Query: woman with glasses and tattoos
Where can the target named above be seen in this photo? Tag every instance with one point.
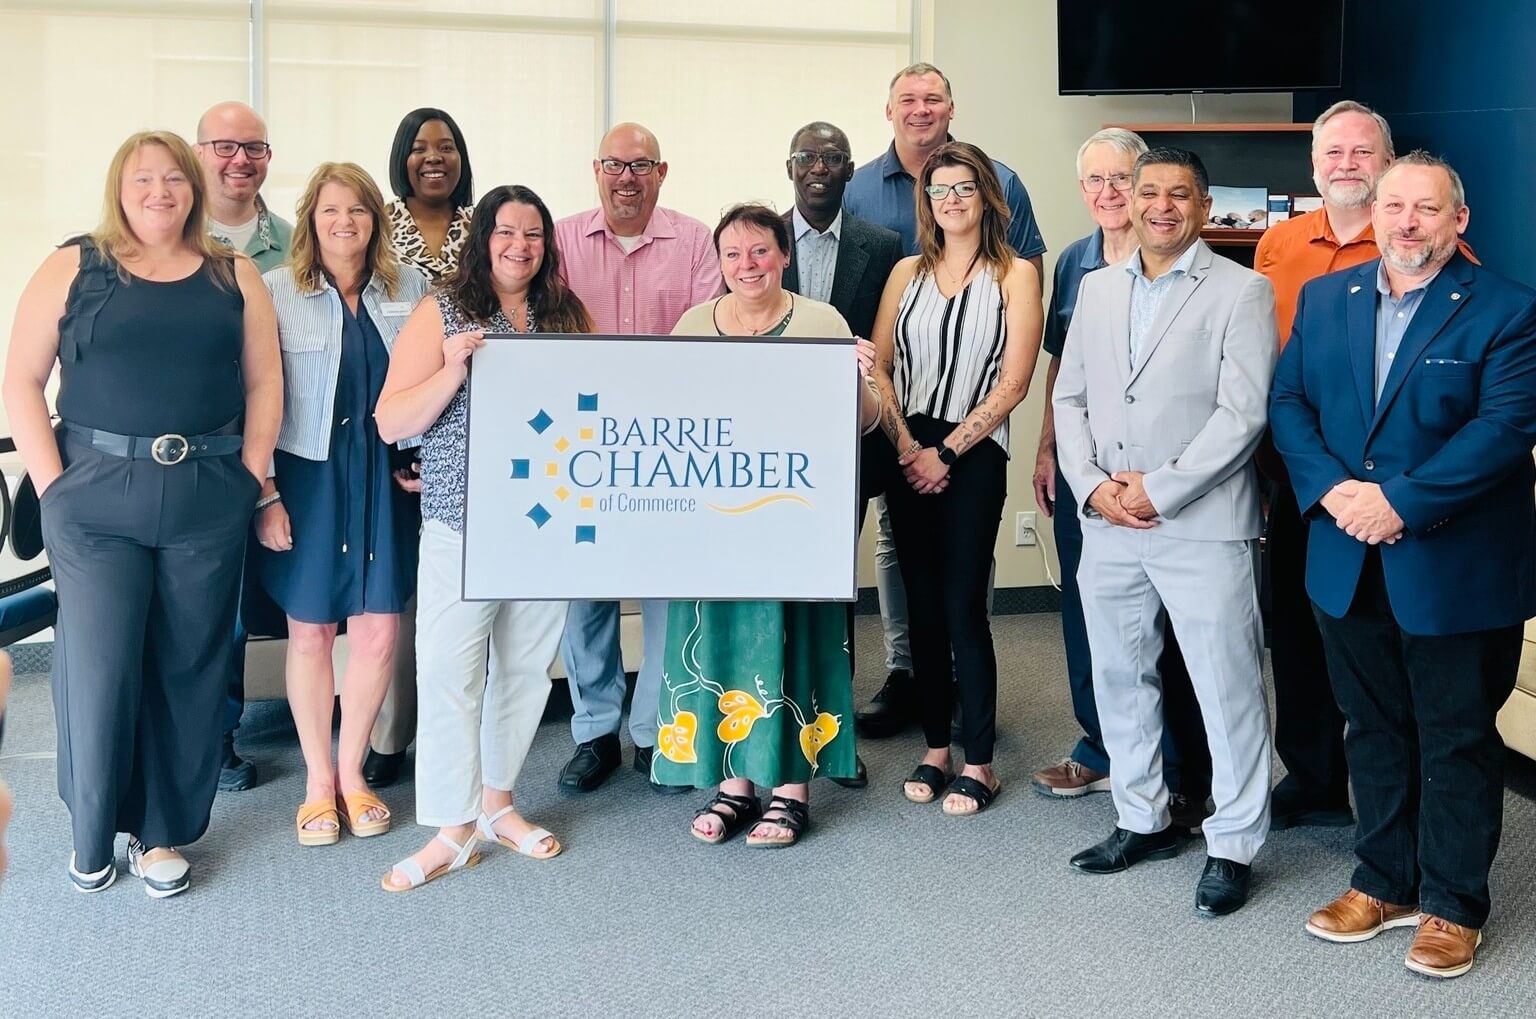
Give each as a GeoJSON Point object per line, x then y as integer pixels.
{"type": "Point", "coordinates": [957, 336]}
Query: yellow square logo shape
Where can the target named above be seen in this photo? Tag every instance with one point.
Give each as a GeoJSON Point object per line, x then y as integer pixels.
{"type": "Point", "coordinates": [586, 502]}
{"type": "Point", "coordinates": [551, 470]}
{"type": "Point", "coordinates": [585, 434]}
{"type": "Point", "coordinates": [562, 444]}
{"type": "Point", "coordinates": [562, 493]}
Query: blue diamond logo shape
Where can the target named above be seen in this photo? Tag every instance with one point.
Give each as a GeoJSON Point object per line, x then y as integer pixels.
{"type": "Point", "coordinates": [540, 421]}
{"type": "Point", "coordinates": [586, 534]}
{"type": "Point", "coordinates": [519, 470]}
{"type": "Point", "coordinates": [586, 401]}
{"type": "Point", "coordinates": [539, 515]}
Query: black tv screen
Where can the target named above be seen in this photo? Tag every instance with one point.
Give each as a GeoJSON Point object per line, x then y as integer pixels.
{"type": "Point", "coordinates": [1107, 46]}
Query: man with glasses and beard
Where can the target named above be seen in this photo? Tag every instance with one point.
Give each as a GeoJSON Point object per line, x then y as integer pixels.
{"type": "Point", "coordinates": [637, 267]}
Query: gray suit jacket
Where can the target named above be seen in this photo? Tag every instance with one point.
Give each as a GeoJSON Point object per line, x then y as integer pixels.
{"type": "Point", "coordinates": [1189, 414]}
{"type": "Point", "coordinates": [866, 254]}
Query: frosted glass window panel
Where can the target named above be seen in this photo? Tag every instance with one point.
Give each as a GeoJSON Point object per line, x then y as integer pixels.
{"type": "Point", "coordinates": [797, 16]}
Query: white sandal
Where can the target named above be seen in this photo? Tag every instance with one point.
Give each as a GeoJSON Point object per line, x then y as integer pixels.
{"type": "Point", "coordinates": [464, 857]}
{"type": "Point", "coordinates": [525, 846]}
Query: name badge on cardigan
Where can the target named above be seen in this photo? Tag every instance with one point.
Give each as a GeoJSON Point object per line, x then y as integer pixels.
{"type": "Point", "coordinates": [394, 309]}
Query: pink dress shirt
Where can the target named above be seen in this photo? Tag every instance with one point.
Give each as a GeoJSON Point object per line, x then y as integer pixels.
{"type": "Point", "coordinates": [646, 291]}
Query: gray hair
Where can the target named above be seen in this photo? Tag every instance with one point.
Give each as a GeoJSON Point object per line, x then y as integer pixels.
{"type": "Point", "coordinates": [1119, 138]}
{"type": "Point", "coordinates": [1350, 106]}
{"type": "Point", "coordinates": [1419, 157]}
{"type": "Point", "coordinates": [917, 70]}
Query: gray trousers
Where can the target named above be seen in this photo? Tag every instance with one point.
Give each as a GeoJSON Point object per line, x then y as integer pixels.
{"type": "Point", "coordinates": [146, 564]}
{"type": "Point", "coordinates": [1128, 579]}
{"type": "Point", "coordinates": [593, 661]}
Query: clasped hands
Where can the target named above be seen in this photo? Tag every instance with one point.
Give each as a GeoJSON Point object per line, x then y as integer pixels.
{"type": "Point", "coordinates": [1123, 501]}
{"type": "Point", "coordinates": [1360, 510]}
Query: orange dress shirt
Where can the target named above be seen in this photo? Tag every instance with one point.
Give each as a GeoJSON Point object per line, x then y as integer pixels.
{"type": "Point", "coordinates": [1298, 250]}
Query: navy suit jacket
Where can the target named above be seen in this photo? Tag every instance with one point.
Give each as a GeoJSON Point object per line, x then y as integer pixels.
{"type": "Point", "coordinates": [1449, 442]}
{"type": "Point", "coordinates": [866, 254]}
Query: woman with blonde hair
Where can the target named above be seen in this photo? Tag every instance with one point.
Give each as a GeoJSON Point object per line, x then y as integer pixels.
{"type": "Point", "coordinates": [957, 336]}
{"type": "Point", "coordinates": [170, 395]}
{"type": "Point", "coordinates": [336, 526]}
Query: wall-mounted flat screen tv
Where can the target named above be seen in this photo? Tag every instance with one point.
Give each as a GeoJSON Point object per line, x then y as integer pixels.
{"type": "Point", "coordinates": [1125, 46]}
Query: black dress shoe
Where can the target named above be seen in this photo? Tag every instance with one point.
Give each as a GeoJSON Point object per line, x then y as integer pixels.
{"type": "Point", "coordinates": [1125, 849]}
{"type": "Point", "coordinates": [643, 766]}
{"type": "Point", "coordinates": [889, 711]}
{"type": "Point", "coordinates": [380, 770]}
{"type": "Point", "coordinates": [1292, 808]}
{"type": "Point", "coordinates": [595, 760]}
{"type": "Point", "coordinates": [235, 773]}
{"type": "Point", "coordinates": [1186, 815]}
{"type": "Point", "coordinates": [1223, 887]}
{"type": "Point", "coordinates": [860, 777]}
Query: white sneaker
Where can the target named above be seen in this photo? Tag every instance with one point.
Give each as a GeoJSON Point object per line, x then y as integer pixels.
{"type": "Point", "coordinates": [96, 882]}
{"type": "Point", "coordinates": [164, 877]}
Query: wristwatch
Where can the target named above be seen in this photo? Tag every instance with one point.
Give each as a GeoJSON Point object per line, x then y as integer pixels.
{"type": "Point", "coordinates": [947, 456]}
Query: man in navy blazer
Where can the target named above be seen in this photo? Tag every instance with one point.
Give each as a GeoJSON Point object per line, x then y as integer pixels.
{"type": "Point", "coordinates": [1405, 408]}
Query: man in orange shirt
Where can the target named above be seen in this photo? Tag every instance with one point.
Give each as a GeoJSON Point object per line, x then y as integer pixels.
{"type": "Point", "coordinates": [1351, 148]}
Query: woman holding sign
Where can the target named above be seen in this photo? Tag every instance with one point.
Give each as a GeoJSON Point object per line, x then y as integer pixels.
{"type": "Point", "coordinates": [958, 331]}
{"type": "Point", "coordinates": [473, 728]}
{"type": "Point", "coordinates": [758, 693]}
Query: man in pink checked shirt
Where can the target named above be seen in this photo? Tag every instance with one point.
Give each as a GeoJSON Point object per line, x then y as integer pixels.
{"type": "Point", "coordinates": [637, 268]}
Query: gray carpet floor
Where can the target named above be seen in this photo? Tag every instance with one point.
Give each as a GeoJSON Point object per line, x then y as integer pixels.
{"type": "Point", "coordinates": [886, 909]}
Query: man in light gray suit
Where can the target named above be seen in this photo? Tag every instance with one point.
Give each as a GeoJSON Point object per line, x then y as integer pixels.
{"type": "Point", "coordinates": [1159, 403]}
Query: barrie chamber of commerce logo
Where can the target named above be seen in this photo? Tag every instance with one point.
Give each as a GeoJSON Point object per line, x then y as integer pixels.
{"type": "Point", "coordinates": [596, 464]}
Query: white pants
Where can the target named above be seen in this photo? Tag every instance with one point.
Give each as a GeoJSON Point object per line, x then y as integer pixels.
{"type": "Point", "coordinates": [473, 728]}
{"type": "Point", "coordinates": [1127, 579]}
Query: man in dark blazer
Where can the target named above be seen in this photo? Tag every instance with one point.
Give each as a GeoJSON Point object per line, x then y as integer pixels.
{"type": "Point", "coordinates": [1405, 408]}
{"type": "Point", "coordinates": [843, 260]}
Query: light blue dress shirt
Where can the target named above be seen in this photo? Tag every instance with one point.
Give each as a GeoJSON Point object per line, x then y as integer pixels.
{"type": "Point", "coordinates": [816, 256]}
{"type": "Point", "coordinates": [1393, 316]}
{"type": "Point", "coordinates": [1147, 295]}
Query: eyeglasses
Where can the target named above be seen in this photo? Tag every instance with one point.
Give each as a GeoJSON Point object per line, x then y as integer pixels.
{"type": "Point", "coordinates": [224, 148]}
{"type": "Point", "coordinates": [833, 159]}
{"type": "Point", "coordinates": [639, 167]}
{"type": "Point", "coordinates": [1119, 181]}
{"type": "Point", "coordinates": [962, 189]}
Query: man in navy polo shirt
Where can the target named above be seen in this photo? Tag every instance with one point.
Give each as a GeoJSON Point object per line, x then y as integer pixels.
{"type": "Point", "coordinates": [920, 106]}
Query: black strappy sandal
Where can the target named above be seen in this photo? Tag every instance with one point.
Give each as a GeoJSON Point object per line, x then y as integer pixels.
{"type": "Point", "coordinates": [980, 792]}
{"type": "Point", "coordinates": [744, 810]}
{"type": "Point", "coordinates": [796, 818]}
{"type": "Point", "coordinates": [927, 775]}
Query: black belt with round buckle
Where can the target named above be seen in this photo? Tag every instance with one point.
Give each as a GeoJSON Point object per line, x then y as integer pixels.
{"type": "Point", "coordinates": [168, 450]}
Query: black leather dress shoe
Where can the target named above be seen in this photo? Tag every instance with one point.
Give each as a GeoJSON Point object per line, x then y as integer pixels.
{"type": "Point", "coordinates": [643, 766]}
{"type": "Point", "coordinates": [860, 777]}
{"type": "Point", "coordinates": [1186, 816]}
{"type": "Point", "coordinates": [1125, 849]}
{"type": "Point", "coordinates": [1223, 887]}
{"type": "Point", "coordinates": [889, 711]}
{"type": "Point", "coordinates": [235, 774]}
{"type": "Point", "coordinates": [380, 770]}
{"type": "Point", "coordinates": [595, 760]}
{"type": "Point", "coordinates": [1290, 808]}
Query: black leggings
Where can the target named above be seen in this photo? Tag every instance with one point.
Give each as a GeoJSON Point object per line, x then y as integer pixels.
{"type": "Point", "coordinates": [944, 544]}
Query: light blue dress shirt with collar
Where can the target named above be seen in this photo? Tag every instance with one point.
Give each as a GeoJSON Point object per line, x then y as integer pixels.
{"type": "Point", "coordinates": [1147, 295]}
{"type": "Point", "coordinates": [816, 255]}
{"type": "Point", "coordinates": [1393, 316]}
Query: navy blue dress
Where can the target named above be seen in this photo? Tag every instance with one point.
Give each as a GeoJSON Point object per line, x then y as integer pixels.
{"type": "Point", "coordinates": [355, 532]}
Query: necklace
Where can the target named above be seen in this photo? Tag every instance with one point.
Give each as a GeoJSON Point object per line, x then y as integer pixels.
{"type": "Point", "coordinates": [777, 317]}
{"type": "Point", "coordinates": [954, 281]}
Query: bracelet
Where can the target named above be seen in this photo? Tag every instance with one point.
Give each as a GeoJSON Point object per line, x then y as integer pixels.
{"type": "Point", "coordinates": [268, 500]}
{"type": "Point", "coordinates": [913, 448]}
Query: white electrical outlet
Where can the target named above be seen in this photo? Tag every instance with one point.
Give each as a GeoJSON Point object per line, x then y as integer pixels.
{"type": "Point", "coordinates": [1024, 530]}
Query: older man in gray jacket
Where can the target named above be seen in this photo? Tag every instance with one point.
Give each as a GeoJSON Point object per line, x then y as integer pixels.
{"type": "Point", "coordinates": [1159, 404]}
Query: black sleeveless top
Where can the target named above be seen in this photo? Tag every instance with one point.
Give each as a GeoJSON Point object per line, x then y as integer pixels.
{"type": "Point", "coordinates": [155, 357]}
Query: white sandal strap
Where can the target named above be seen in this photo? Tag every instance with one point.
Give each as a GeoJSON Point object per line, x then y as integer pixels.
{"type": "Point", "coordinates": [412, 871]}
{"type": "Point", "coordinates": [528, 843]}
{"type": "Point", "coordinates": [461, 853]}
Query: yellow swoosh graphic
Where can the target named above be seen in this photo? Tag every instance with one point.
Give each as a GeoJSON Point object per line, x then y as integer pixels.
{"type": "Point", "coordinates": [760, 503]}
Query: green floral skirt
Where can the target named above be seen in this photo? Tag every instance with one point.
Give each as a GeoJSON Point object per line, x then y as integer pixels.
{"type": "Point", "coordinates": [755, 690]}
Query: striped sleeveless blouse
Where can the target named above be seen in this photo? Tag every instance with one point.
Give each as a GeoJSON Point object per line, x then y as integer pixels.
{"type": "Point", "coordinates": [949, 351]}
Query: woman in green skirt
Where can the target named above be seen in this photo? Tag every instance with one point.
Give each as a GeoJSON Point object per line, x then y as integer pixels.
{"type": "Point", "coordinates": [758, 693]}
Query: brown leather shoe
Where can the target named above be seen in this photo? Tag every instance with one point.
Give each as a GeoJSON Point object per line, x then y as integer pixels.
{"type": "Point", "coordinates": [1069, 779]}
{"type": "Point", "coordinates": [1441, 948]}
{"type": "Point", "coordinates": [1356, 916]}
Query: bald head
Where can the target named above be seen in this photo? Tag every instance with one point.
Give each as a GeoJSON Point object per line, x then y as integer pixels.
{"type": "Point", "coordinates": [231, 120]}
{"type": "Point", "coordinates": [233, 181]}
{"type": "Point", "coordinates": [628, 192]}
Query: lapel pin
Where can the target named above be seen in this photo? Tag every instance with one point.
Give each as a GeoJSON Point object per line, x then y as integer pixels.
{"type": "Point", "coordinates": [1355, 289]}
{"type": "Point", "coordinates": [1455, 295]}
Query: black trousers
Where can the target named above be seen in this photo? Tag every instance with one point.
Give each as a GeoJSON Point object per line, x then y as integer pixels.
{"type": "Point", "coordinates": [146, 563]}
{"type": "Point", "coordinates": [1426, 759]}
{"type": "Point", "coordinates": [1309, 727]}
{"type": "Point", "coordinates": [944, 544]}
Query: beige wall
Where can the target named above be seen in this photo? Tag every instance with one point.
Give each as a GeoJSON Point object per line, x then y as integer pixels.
{"type": "Point", "coordinates": [1000, 56]}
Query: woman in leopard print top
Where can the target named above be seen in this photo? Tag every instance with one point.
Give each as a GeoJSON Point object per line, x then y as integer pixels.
{"type": "Point", "coordinates": [429, 172]}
